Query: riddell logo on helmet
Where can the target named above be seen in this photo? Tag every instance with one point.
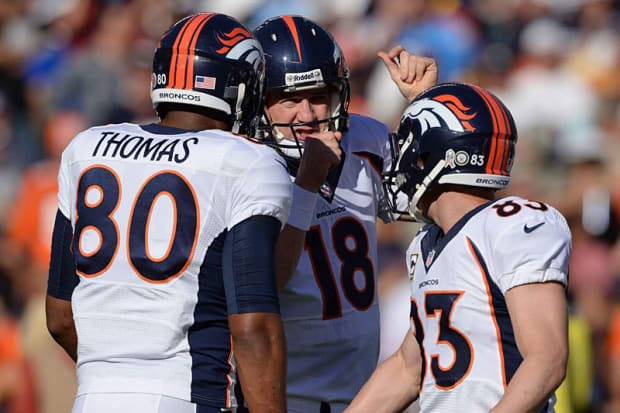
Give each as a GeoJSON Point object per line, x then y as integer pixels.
{"type": "Point", "coordinates": [492, 181]}
{"type": "Point", "coordinates": [303, 77]}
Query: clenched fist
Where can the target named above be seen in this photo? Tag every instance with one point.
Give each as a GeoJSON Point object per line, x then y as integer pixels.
{"type": "Point", "coordinates": [321, 153]}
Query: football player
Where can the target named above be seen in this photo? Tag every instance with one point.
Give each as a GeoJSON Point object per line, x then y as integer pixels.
{"type": "Point", "coordinates": [488, 276]}
{"type": "Point", "coordinates": [162, 283]}
{"type": "Point", "coordinates": [326, 259]}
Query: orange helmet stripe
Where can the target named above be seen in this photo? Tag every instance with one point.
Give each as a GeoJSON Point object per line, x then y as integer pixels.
{"type": "Point", "coordinates": [175, 52]}
{"type": "Point", "coordinates": [506, 139]}
{"type": "Point", "coordinates": [190, 67]}
{"type": "Point", "coordinates": [494, 138]}
{"type": "Point", "coordinates": [501, 131]}
{"type": "Point", "coordinates": [291, 26]}
{"type": "Point", "coordinates": [500, 161]}
{"type": "Point", "coordinates": [180, 76]}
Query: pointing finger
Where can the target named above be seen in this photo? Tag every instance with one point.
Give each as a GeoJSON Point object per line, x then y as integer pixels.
{"type": "Point", "coordinates": [389, 63]}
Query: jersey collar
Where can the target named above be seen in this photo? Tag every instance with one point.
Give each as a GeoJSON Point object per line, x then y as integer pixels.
{"type": "Point", "coordinates": [435, 241]}
{"type": "Point", "coordinates": [158, 129]}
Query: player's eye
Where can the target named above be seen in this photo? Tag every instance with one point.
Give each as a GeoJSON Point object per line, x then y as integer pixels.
{"type": "Point", "coordinates": [319, 100]}
{"type": "Point", "coordinates": [289, 102]}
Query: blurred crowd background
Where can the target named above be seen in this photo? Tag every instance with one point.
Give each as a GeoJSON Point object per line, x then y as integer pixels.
{"type": "Point", "coordinates": [68, 64]}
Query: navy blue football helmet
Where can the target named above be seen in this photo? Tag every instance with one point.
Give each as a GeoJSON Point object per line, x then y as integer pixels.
{"type": "Point", "coordinates": [301, 55]}
{"type": "Point", "coordinates": [461, 133]}
{"type": "Point", "coordinates": [212, 61]}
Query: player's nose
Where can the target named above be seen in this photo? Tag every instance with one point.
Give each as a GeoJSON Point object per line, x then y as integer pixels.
{"type": "Point", "coordinates": [305, 112]}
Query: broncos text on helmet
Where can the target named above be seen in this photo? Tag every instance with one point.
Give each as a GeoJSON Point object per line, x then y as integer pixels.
{"type": "Point", "coordinates": [210, 60]}
{"type": "Point", "coordinates": [461, 133]}
{"type": "Point", "coordinates": [301, 55]}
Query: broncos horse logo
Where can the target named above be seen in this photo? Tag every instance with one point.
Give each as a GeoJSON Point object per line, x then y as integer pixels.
{"type": "Point", "coordinates": [446, 110]}
{"type": "Point", "coordinates": [443, 110]}
{"type": "Point", "coordinates": [239, 44]}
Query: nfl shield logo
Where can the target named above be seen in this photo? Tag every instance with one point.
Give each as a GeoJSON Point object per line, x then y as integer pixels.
{"type": "Point", "coordinates": [430, 257]}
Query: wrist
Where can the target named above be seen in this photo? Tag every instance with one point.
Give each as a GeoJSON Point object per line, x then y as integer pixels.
{"type": "Point", "coordinates": [309, 184]}
{"type": "Point", "coordinates": [302, 207]}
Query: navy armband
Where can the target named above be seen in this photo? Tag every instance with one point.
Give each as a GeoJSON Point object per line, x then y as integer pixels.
{"type": "Point", "coordinates": [62, 277]}
{"type": "Point", "coordinates": [248, 266]}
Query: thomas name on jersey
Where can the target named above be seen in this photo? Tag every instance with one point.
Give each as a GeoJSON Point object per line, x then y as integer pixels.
{"type": "Point", "coordinates": [138, 147]}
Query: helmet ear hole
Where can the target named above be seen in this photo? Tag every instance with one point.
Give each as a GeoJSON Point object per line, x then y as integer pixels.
{"type": "Point", "coordinates": [423, 159]}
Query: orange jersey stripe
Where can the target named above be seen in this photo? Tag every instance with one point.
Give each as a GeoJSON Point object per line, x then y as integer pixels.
{"type": "Point", "coordinates": [190, 67]}
{"type": "Point", "coordinates": [232, 369]}
{"type": "Point", "coordinates": [291, 26]}
{"type": "Point", "coordinates": [486, 284]}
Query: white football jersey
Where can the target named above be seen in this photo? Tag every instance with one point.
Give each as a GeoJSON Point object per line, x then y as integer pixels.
{"type": "Point", "coordinates": [458, 309]}
{"type": "Point", "coordinates": [150, 207]}
{"type": "Point", "coordinates": [329, 307]}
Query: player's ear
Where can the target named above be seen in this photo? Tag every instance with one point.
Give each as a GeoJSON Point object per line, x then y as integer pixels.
{"type": "Point", "coordinates": [420, 161]}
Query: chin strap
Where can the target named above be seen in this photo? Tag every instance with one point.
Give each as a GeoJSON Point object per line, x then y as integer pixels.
{"type": "Point", "coordinates": [421, 189]}
{"type": "Point", "coordinates": [238, 112]}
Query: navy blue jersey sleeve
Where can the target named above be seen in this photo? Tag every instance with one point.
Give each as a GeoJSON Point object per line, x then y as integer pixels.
{"type": "Point", "coordinates": [249, 267]}
{"type": "Point", "coordinates": [62, 276]}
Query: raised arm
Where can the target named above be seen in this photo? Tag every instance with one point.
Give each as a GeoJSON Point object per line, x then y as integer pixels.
{"type": "Point", "coordinates": [395, 384]}
{"type": "Point", "coordinates": [540, 320]}
{"type": "Point", "coordinates": [412, 74]}
{"type": "Point", "coordinates": [321, 153]}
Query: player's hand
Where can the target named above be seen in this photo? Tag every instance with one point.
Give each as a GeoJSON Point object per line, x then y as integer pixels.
{"type": "Point", "coordinates": [412, 74]}
{"type": "Point", "coordinates": [322, 152]}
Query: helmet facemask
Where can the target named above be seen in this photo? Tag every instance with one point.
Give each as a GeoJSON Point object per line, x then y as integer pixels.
{"type": "Point", "coordinates": [406, 182]}
{"type": "Point", "coordinates": [292, 147]}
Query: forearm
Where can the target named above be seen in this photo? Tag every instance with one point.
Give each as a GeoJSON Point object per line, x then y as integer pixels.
{"type": "Point", "coordinates": [68, 341]}
{"type": "Point", "coordinates": [60, 324]}
{"type": "Point", "coordinates": [533, 384]}
{"type": "Point", "coordinates": [292, 238]}
{"type": "Point", "coordinates": [260, 353]}
{"type": "Point", "coordinates": [288, 251]}
{"type": "Point", "coordinates": [542, 339]}
{"type": "Point", "coordinates": [391, 388]}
